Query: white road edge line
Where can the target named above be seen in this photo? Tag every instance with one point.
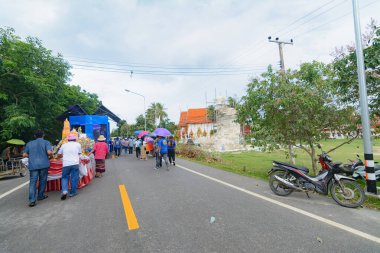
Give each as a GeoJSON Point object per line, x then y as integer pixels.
{"type": "Point", "coordinates": [14, 189]}
{"type": "Point", "coordinates": [295, 209]}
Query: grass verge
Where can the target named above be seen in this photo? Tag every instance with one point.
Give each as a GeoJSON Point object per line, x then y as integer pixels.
{"type": "Point", "coordinates": [256, 164]}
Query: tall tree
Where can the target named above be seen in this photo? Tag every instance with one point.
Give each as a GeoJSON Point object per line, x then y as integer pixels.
{"type": "Point", "coordinates": [295, 111]}
{"type": "Point", "coordinates": [345, 69]}
{"type": "Point", "coordinates": [33, 89]}
{"type": "Point", "coordinates": [156, 113]}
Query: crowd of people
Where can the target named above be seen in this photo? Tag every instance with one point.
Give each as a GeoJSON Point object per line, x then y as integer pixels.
{"type": "Point", "coordinates": [39, 151]}
{"type": "Point", "coordinates": [160, 148]}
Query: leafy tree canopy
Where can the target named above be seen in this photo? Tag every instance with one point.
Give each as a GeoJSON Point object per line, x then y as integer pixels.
{"type": "Point", "coordinates": [34, 89]}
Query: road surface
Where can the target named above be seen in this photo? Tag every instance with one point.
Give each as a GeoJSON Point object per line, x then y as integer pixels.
{"type": "Point", "coordinates": [190, 208]}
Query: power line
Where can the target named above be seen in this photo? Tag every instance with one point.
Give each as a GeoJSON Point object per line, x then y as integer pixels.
{"type": "Point", "coordinates": [314, 17]}
{"type": "Point", "coordinates": [170, 73]}
{"type": "Point", "coordinates": [335, 19]}
{"type": "Point", "coordinates": [132, 65]}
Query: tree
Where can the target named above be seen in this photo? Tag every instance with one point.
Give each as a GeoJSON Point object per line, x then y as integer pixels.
{"type": "Point", "coordinates": [345, 70]}
{"type": "Point", "coordinates": [33, 89]}
{"type": "Point", "coordinates": [294, 111]}
{"type": "Point", "coordinates": [232, 102]}
{"type": "Point", "coordinates": [122, 129]}
{"type": "Point", "coordinates": [211, 113]}
{"type": "Point", "coordinates": [156, 112]}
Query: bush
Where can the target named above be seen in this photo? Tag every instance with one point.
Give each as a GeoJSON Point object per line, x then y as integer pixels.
{"type": "Point", "coordinates": [195, 152]}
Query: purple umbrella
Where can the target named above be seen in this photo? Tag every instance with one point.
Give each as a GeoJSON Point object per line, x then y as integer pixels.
{"type": "Point", "coordinates": [162, 132]}
{"type": "Point", "coordinates": [149, 139]}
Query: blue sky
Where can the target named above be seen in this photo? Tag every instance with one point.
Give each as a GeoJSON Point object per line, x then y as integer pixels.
{"type": "Point", "coordinates": [180, 36]}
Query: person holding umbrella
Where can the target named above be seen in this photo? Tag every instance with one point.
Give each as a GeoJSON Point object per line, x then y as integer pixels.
{"type": "Point", "coordinates": [163, 151]}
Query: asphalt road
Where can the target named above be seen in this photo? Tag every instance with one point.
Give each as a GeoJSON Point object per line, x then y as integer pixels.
{"type": "Point", "coordinates": [174, 209]}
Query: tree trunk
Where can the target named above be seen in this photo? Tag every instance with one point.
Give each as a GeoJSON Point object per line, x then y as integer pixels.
{"type": "Point", "coordinates": [313, 160]}
{"type": "Point", "coordinates": [291, 154]}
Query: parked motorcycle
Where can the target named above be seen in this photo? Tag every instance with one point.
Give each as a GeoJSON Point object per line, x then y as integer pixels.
{"type": "Point", "coordinates": [349, 169]}
{"type": "Point", "coordinates": [357, 169]}
{"type": "Point", "coordinates": [360, 172]}
{"type": "Point", "coordinates": [286, 178]}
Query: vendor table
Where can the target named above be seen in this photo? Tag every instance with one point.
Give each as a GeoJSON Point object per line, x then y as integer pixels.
{"type": "Point", "coordinates": [55, 174]}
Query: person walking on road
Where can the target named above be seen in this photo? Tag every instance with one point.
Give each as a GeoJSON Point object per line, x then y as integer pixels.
{"type": "Point", "coordinates": [130, 145]}
{"type": "Point", "coordinates": [100, 150]}
{"type": "Point", "coordinates": [157, 154]}
{"type": "Point", "coordinates": [163, 151]}
{"type": "Point", "coordinates": [38, 151]}
{"type": "Point", "coordinates": [70, 153]}
{"type": "Point", "coordinates": [143, 150]}
{"type": "Point", "coordinates": [171, 150]}
{"type": "Point", "coordinates": [111, 145]}
{"type": "Point", "coordinates": [124, 145]}
{"type": "Point", "coordinates": [138, 148]}
{"type": "Point", "coordinates": [117, 147]}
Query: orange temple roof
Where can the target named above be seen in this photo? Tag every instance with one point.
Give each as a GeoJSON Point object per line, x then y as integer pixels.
{"type": "Point", "coordinates": [194, 116]}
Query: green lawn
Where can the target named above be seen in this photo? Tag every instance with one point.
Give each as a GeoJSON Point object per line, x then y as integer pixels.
{"type": "Point", "coordinates": [257, 164]}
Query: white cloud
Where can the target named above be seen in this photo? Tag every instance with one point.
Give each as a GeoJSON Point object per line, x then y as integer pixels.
{"type": "Point", "coordinates": [180, 33]}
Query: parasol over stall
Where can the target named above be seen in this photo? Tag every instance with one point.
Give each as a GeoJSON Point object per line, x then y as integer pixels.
{"type": "Point", "coordinates": [16, 142]}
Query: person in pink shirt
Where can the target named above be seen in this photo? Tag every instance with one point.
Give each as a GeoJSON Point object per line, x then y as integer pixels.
{"type": "Point", "coordinates": [100, 151]}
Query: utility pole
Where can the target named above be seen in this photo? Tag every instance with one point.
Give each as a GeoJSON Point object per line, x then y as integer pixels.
{"type": "Point", "coordinates": [280, 45]}
{"type": "Point", "coordinates": [282, 71]}
{"type": "Point", "coordinates": [366, 125]}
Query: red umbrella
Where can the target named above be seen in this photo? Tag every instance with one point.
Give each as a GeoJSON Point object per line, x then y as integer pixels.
{"type": "Point", "coordinates": [142, 134]}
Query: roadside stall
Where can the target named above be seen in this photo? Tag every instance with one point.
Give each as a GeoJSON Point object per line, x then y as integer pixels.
{"type": "Point", "coordinates": [87, 128]}
{"type": "Point", "coordinates": [86, 166]}
{"type": "Point", "coordinates": [11, 162]}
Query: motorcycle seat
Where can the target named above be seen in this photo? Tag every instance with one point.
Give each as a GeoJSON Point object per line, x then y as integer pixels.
{"type": "Point", "coordinates": [301, 168]}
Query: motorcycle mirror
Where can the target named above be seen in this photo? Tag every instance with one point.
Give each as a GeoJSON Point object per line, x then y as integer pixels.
{"type": "Point", "coordinates": [319, 146]}
{"type": "Point", "coordinates": [357, 156]}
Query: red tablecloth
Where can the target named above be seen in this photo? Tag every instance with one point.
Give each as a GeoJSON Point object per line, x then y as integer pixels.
{"type": "Point", "coordinates": [55, 175]}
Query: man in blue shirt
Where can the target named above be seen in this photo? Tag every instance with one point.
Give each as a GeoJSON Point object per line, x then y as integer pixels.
{"type": "Point", "coordinates": [163, 150]}
{"type": "Point", "coordinates": [38, 152]}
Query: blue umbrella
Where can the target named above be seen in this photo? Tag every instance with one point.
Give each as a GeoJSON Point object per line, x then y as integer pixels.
{"type": "Point", "coordinates": [162, 132]}
{"type": "Point", "coordinates": [137, 132]}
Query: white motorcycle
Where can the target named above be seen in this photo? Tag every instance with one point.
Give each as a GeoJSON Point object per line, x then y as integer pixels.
{"type": "Point", "coordinates": [359, 172]}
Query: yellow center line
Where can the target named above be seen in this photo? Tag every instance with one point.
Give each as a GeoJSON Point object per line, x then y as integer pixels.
{"type": "Point", "coordinates": [128, 210]}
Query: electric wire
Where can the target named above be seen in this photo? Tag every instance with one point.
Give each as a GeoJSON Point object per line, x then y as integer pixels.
{"type": "Point", "coordinates": [335, 19]}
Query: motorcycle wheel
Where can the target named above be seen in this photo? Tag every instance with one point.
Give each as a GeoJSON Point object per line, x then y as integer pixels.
{"type": "Point", "coordinates": [276, 186]}
{"type": "Point", "coordinates": [352, 196]}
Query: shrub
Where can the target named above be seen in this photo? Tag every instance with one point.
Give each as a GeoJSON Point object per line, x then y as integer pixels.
{"type": "Point", "coordinates": [195, 152]}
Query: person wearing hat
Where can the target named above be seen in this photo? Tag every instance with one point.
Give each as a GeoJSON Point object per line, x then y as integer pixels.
{"type": "Point", "coordinates": [100, 151]}
{"type": "Point", "coordinates": [38, 152]}
{"type": "Point", "coordinates": [70, 153]}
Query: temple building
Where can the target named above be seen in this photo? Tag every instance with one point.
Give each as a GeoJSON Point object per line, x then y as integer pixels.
{"type": "Point", "coordinates": [223, 134]}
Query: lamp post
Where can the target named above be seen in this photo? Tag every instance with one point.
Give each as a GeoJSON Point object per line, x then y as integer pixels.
{"type": "Point", "coordinates": [144, 105]}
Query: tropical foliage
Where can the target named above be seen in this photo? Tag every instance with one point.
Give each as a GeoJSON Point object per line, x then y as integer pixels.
{"type": "Point", "coordinates": [34, 89]}
{"type": "Point", "coordinates": [296, 110]}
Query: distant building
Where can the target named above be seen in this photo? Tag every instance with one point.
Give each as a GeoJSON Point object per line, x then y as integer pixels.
{"type": "Point", "coordinates": [223, 134]}
{"type": "Point", "coordinates": [194, 124]}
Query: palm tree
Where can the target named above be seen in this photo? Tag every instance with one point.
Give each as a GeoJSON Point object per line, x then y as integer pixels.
{"type": "Point", "coordinates": [156, 112]}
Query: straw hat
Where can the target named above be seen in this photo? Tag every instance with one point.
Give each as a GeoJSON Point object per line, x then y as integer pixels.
{"type": "Point", "coordinates": [101, 138]}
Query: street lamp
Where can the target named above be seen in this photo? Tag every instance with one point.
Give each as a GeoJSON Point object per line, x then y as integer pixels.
{"type": "Point", "coordinates": [144, 104]}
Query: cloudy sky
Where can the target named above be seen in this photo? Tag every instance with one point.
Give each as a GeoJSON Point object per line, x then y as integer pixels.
{"type": "Point", "coordinates": [181, 51]}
